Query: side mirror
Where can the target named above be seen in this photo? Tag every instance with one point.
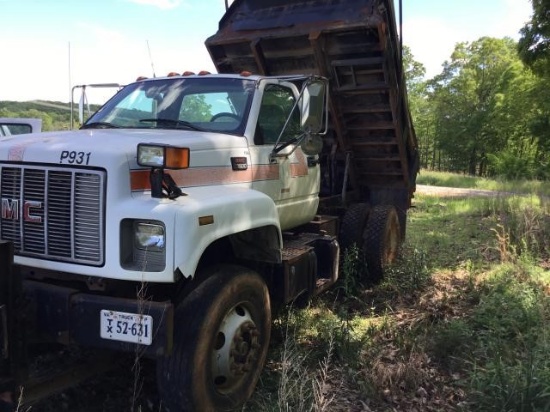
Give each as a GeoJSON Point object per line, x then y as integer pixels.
{"type": "Point", "coordinates": [312, 145]}
{"type": "Point", "coordinates": [313, 107]}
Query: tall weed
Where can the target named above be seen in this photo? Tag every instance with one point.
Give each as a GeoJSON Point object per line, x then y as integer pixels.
{"type": "Point", "coordinates": [521, 229]}
{"type": "Point", "coordinates": [301, 375]}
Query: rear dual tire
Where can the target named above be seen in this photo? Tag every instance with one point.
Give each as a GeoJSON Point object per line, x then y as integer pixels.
{"type": "Point", "coordinates": [375, 231]}
{"type": "Point", "coordinates": [382, 238]}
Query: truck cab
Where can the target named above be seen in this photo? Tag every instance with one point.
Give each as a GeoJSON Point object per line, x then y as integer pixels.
{"type": "Point", "coordinates": [261, 116]}
{"type": "Point", "coordinates": [175, 182]}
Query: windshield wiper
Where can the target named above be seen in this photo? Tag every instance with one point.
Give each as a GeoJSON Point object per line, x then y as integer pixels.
{"type": "Point", "coordinates": [99, 125]}
{"type": "Point", "coordinates": [171, 122]}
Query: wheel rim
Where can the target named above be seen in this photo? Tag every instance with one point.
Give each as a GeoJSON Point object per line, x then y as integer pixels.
{"type": "Point", "coordinates": [391, 243]}
{"type": "Point", "coordinates": [235, 350]}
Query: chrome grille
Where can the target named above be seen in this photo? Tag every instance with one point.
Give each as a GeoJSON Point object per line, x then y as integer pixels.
{"type": "Point", "coordinates": [53, 213]}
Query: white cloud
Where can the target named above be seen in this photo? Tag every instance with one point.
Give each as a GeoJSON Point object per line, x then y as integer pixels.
{"type": "Point", "coordinates": [432, 40]}
{"type": "Point", "coordinates": [99, 34]}
{"type": "Point", "coordinates": [161, 4]}
{"type": "Point", "coordinates": [515, 14]}
{"type": "Point", "coordinates": [38, 70]}
{"type": "Point", "coordinates": [430, 50]}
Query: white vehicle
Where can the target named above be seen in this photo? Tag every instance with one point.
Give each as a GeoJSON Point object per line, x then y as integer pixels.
{"type": "Point", "coordinates": [13, 126]}
{"type": "Point", "coordinates": [189, 207]}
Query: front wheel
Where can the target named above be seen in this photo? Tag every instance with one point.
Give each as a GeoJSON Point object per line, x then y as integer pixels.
{"type": "Point", "coordinates": [221, 336]}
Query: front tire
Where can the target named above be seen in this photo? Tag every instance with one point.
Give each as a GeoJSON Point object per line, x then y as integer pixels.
{"type": "Point", "coordinates": [221, 336]}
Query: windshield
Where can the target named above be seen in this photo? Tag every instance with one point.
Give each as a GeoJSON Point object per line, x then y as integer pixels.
{"type": "Point", "coordinates": [210, 104]}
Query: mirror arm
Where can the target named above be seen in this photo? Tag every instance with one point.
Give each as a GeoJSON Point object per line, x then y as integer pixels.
{"type": "Point", "coordinates": [295, 140]}
{"type": "Point", "coordinates": [276, 150]}
{"type": "Point", "coordinates": [324, 132]}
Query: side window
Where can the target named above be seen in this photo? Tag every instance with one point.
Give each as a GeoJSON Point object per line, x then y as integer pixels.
{"type": "Point", "coordinates": [276, 107]}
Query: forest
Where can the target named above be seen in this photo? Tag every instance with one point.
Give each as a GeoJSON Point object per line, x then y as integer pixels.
{"type": "Point", "coordinates": [488, 112]}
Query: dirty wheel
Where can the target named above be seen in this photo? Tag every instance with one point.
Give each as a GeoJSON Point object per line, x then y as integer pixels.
{"type": "Point", "coordinates": [221, 337]}
{"type": "Point", "coordinates": [382, 240]}
{"type": "Point", "coordinates": [353, 226]}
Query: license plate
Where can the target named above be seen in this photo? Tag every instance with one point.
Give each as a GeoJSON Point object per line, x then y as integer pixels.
{"type": "Point", "coordinates": [126, 327]}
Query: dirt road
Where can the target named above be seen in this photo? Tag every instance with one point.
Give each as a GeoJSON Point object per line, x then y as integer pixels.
{"type": "Point", "coordinates": [457, 192]}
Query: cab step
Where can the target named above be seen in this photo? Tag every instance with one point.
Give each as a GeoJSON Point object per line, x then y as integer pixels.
{"type": "Point", "coordinates": [310, 264]}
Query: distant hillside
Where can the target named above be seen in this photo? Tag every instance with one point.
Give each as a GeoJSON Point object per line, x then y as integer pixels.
{"type": "Point", "coordinates": [54, 115]}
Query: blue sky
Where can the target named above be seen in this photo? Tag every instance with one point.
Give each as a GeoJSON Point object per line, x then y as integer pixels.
{"type": "Point", "coordinates": [112, 40]}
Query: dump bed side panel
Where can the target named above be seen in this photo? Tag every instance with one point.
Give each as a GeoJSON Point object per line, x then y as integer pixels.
{"type": "Point", "coordinates": [354, 43]}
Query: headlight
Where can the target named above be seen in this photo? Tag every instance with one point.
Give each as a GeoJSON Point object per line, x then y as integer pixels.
{"type": "Point", "coordinates": [149, 236]}
{"type": "Point", "coordinates": [142, 245]}
{"type": "Point", "coordinates": [162, 156]}
{"type": "Point", "coordinates": [150, 156]}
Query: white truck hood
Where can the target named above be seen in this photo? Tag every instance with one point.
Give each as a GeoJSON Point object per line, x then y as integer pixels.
{"type": "Point", "coordinates": [98, 147]}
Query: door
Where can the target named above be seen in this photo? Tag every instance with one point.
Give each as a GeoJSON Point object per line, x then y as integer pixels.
{"type": "Point", "coordinates": [290, 178]}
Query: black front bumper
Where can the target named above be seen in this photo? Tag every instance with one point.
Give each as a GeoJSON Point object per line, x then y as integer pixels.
{"type": "Point", "coordinates": [68, 316]}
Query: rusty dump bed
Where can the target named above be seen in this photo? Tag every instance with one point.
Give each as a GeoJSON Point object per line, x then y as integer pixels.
{"type": "Point", "coordinates": [355, 44]}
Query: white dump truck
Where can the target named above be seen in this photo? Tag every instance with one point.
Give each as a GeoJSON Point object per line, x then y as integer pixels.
{"type": "Point", "coordinates": [189, 207]}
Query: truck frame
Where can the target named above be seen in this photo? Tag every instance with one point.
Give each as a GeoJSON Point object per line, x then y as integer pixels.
{"type": "Point", "coordinates": [189, 208]}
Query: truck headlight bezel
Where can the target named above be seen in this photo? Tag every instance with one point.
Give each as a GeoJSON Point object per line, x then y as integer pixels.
{"type": "Point", "coordinates": [143, 245]}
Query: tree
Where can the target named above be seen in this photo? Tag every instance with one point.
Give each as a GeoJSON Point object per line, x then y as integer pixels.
{"type": "Point", "coordinates": [471, 120]}
{"type": "Point", "coordinates": [414, 72]}
{"type": "Point", "coordinates": [196, 109]}
{"type": "Point", "coordinates": [534, 44]}
{"type": "Point", "coordinates": [421, 110]}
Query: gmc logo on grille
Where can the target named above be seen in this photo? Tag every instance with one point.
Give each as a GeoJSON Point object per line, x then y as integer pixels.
{"type": "Point", "coordinates": [11, 207]}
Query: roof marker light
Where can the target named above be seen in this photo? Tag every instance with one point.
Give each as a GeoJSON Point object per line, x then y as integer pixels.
{"type": "Point", "coordinates": [187, 73]}
{"type": "Point", "coordinates": [173, 74]}
{"type": "Point", "coordinates": [204, 72]}
{"type": "Point", "coordinates": [246, 73]}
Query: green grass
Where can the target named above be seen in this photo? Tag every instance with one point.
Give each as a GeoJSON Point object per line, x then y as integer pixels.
{"type": "Point", "coordinates": [460, 323]}
{"type": "Point", "coordinates": [452, 231]}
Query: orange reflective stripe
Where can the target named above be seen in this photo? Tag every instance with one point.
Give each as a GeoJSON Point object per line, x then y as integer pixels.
{"type": "Point", "coordinates": [207, 176]}
{"type": "Point", "coordinates": [217, 175]}
{"type": "Point", "coordinates": [139, 180]}
{"type": "Point", "coordinates": [300, 168]}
